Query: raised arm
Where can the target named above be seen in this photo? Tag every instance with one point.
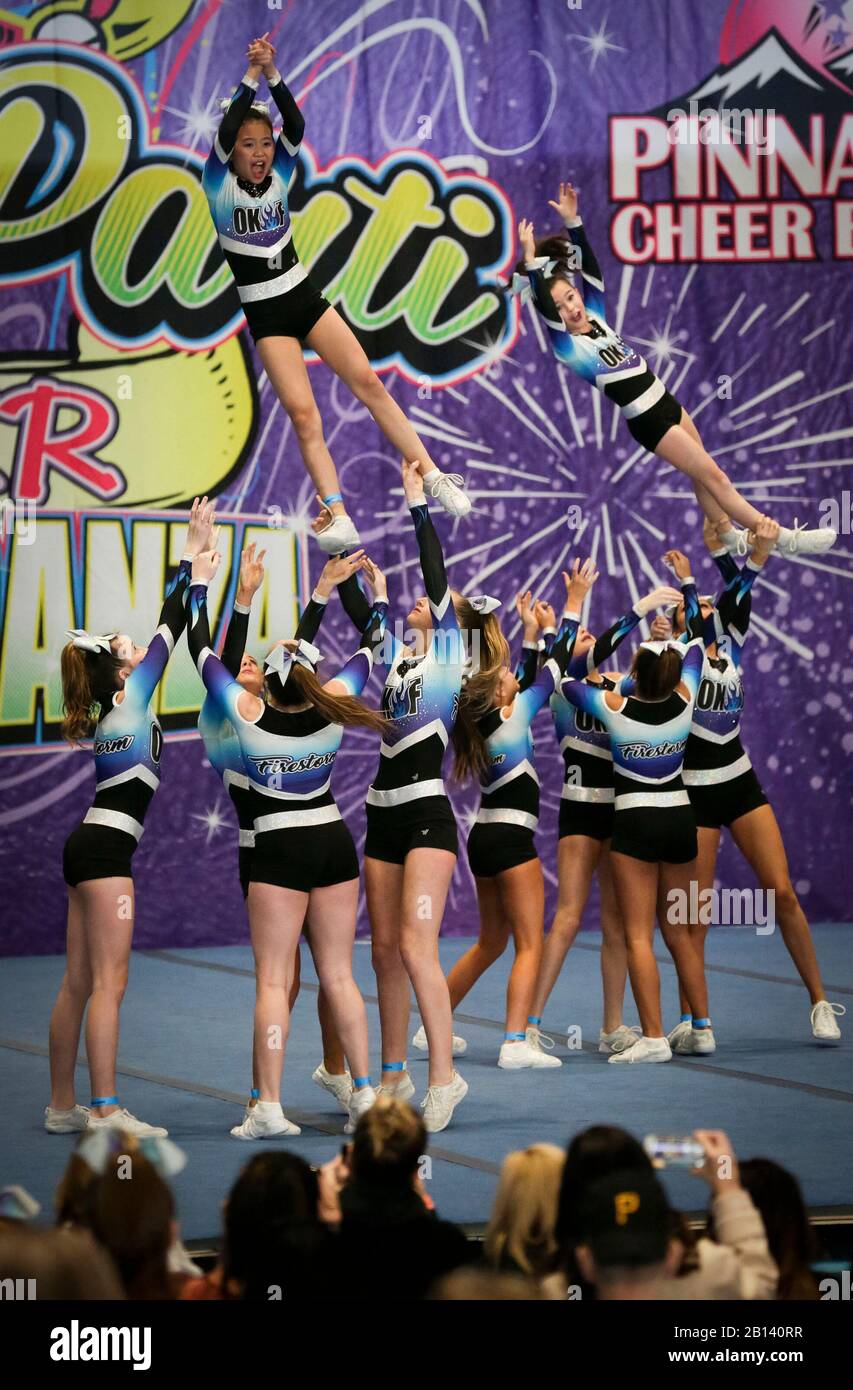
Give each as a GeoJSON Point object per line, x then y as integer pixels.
{"type": "Point", "coordinates": [142, 681]}
{"type": "Point", "coordinates": [262, 52]}
{"type": "Point", "coordinates": [528, 662]}
{"type": "Point", "coordinates": [429, 546]}
{"type": "Point", "coordinates": [354, 675]}
{"type": "Point", "coordinates": [226, 136]}
{"type": "Point", "coordinates": [250, 580]}
{"type": "Point", "coordinates": [221, 686]}
{"type": "Point", "coordinates": [584, 259]}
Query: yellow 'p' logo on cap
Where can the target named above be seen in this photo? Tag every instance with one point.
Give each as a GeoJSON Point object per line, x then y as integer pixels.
{"type": "Point", "coordinates": [625, 1204]}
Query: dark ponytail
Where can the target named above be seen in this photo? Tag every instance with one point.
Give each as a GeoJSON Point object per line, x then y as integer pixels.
{"type": "Point", "coordinates": [557, 248]}
{"type": "Point", "coordinates": [89, 681]}
{"type": "Point", "coordinates": [302, 686]}
{"type": "Point", "coordinates": [656, 676]}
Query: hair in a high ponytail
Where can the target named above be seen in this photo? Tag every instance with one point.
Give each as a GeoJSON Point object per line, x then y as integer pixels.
{"type": "Point", "coordinates": [557, 248]}
{"type": "Point", "coordinates": [303, 686]}
{"type": "Point", "coordinates": [89, 681]}
{"type": "Point", "coordinates": [489, 651]}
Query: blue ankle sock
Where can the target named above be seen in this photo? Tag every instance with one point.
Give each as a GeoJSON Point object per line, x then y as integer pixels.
{"type": "Point", "coordinates": [701, 1023]}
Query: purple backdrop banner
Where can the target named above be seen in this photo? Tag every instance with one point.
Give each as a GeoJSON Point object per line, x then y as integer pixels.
{"type": "Point", "coordinates": [712, 144]}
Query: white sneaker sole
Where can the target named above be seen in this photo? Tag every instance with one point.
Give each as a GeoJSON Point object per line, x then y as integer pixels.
{"type": "Point", "coordinates": [330, 1090]}
{"type": "Point", "coordinates": [826, 1042]}
{"type": "Point", "coordinates": [333, 540]}
{"type": "Point", "coordinates": [293, 1130]}
{"type": "Point", "coordinates": [623, 1057]}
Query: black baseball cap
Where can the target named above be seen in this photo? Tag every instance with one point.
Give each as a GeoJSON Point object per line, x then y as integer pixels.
{"type": "Point", "coordinates": [625, 1219]}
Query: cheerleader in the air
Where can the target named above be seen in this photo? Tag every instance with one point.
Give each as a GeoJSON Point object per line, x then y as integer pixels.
{"type": "Point", "coordinates": [246, 178]}
{"type": "Point", "coordinates": [582, 338]}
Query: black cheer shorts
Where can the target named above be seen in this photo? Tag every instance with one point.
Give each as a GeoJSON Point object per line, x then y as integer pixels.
{"type": "Point", "coordinates": [290, 315]}
{"type": "Point", "coordinates": [649, 428]}
{"type": "Point", "coordinates": [591, 818]}
{"type": "Point", "coordinates": [426, 823]}
{"type": "Point", "coordinates": [494, 847]}
{"type": "Point", "coordinates": [97, 851]}
{"type": "Point", "coordinates": [721, 803]}
{"type": "Point", "coordinates": [304, 858]}
{"type": "Point", "coordinates": [664, 835]}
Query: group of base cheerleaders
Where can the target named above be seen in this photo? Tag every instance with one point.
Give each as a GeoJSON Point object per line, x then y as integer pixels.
{"type": "Point", "coordinates": [653, 764]}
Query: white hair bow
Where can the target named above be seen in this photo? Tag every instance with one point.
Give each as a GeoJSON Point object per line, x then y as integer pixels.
{"type": "Point", "coordinates": [658, 648]}
{"type": "Point", "coordinates": [520, 285]}
{"type": "Point", "coordinates": [88, 641]}
{"type": "Point", "coordinates": [264, 106]}
{"type": "Point", "coordinates": [96, 1148]}
{"type": "Point", "coordinates": [281, 659]}
{"type": "Point", "coordinates": [482, 603]}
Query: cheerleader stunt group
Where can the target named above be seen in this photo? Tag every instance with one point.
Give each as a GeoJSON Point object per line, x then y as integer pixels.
{"type": "Point", "coordinates": [654, 768]}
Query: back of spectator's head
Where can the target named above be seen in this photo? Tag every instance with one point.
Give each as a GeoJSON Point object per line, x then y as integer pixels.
{"type": "Point", "coordinates": [271, 1224]}
{"type": "Point", "coordinates": [388, 1143]}
{"type": "Point", "coordinates": [130, 1212]}
{"type": "Point", "coordinates": [520, 1233]}
{"type": "Point", "coordinates": [64, 1265]}
{"type": "Point", "coordinates": [485, 1285]}
{"type": "Point", "coordinates": [72, 1194]}
{"type": "Point", "coordinates": [625, 1231]}
{"type": "Point", "coordinates": [591, 1155]}
{"type": "Point", "coordinates": [777, 1197]}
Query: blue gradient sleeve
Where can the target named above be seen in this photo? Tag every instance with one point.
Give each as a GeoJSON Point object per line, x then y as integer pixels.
{"type": "Point", "coordinates": [218, 681]}
{"type": "Point", "coordinates": [142, 681]}
{"type": "Point", "coordinates": [604, 646]}
{"type": "Point", "coordinates": [585, 697]}
{"type": "Point", "coordinates": [356, 672]}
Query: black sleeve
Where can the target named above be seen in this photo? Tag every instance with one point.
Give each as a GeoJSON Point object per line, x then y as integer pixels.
{"type": "Point", "coordinates": [233, 119]}
{"type": "Point", "coordinates": [310, 620]}
{"type": "Point", "coordinates": [528, 666]}
{"type": "Point", "coordinates": [355, 605]}
{"type": "Point", "coordinates": [292, 119]}
{"type": "Point", "coordinates": [235, 639]}
{"type": "Point", "coordinates": [432, 556]}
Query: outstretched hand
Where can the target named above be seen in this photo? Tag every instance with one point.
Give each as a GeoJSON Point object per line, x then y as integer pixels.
{"type": "Point", "coordinates": [579, 583]}
{"type": "Point", "coordinates": [566, 203]}
{"type": "Point", "coordinates": [545, 615]}
{"type": "Point", "coordinates": [201, 528]}
{"type": "Point", "coordinates": [527, 239]}
{"type": "Point", "coordinates": [526, 611]}
{"type": "Point", "coordinates": [251, 573]}
{"type": "Point", "coordinates": [678, 563]}
{"type": "Point", "coordinates": [377, 581]}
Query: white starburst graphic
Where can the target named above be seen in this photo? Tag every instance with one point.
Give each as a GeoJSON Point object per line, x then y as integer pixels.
{"type": "Point", "coordinates": [213, 820]}
{"type": "Point", "coordinates": [598, 42]}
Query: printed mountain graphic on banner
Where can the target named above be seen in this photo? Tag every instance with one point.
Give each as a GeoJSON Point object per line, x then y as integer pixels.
{"type": "Point", "coordinates": [771, 76]}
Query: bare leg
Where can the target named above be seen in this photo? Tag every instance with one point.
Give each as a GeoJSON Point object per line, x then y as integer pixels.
{"type": "Point", "coordinates": [275, 921]}
{"type": "Point", "coordinates": [335, 342]}
{"type": "Point", "coordinates": [679, 448]}
{"type": "Point", "coordinates": [333, 913]}
{"type": "Point", "coordinates": [682, 944]}
{"type": "Point", "coordinates": [384, 888]}
{"type": "Point", "coordinates": [285, 367]}
{"type": "Point", "coordinates": [577, 856]}
{"type": "Point", "coordinates": [426, 879]}
{"type": "Point", "coordinates": [66, 1020]}
{"type": "Point", "coordinates": [107, 913]}
{"type": "Point", "coordinates": [489, 947]}
{"type": "Point", "coordinates": [759, 839]}
{"type": "Point", "coordinates": [636, 883]}
{"type": "Point", "coordinates": [614, 952]}
{"type": "Point", "coordinates": [333, 1054]}
{"type": "Point", "coordinates": [707, 501]}
{"type": "Point", "coordinates": [706, 865]}
{"type": "Point", "coordinates": [522, 895]}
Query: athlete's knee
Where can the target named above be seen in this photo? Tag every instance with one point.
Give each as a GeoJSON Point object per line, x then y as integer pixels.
{"type": "Point", "coordinates": [385, 955]}
{"type": "Point", "coordinates": [112, 985]}
{"type": "Point", "coordinates": [306, 421]}
{"type": "Point", "coordinates": [714, 476]}
{"type": "Point", "coordinates": [565, 925]}
{"type": "Point", "coordinates": [785, 899]}
{"type": "Point", "coordinates": [365, 384]}
{"type": "Point", "coordinates": [415, 953]}
{"type": "Point", "coordinates": [493, 944]}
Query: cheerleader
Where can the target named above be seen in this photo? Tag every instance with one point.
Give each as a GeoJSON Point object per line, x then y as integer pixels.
{"type": "Point", "coordinates": [225, 756]}
{"type": "Point", "coordinates": [246, 179]}
{"type": "Point", "coordinates": [724, 790]}
{"type": "Point", "coordinates": [108, 683]}
{"type": "Point", "coordinates": [654, 843]}
{"type": "Point", "coordinates": [586, 822]}
{"type": "Point", "coordinates": [582, 339]}
{"type": "Point", "coordinates": [303, 857]}
{"type": "Point", "coordinates": [493, 740]}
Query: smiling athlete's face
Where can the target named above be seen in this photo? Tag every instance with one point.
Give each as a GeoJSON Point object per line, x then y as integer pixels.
{"type": "Point", "coordinates": [569, 305]}
{"type": "Point", "coordinates": [250, 676]}
{"type": "Point", "coordinates": [253, 153]}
